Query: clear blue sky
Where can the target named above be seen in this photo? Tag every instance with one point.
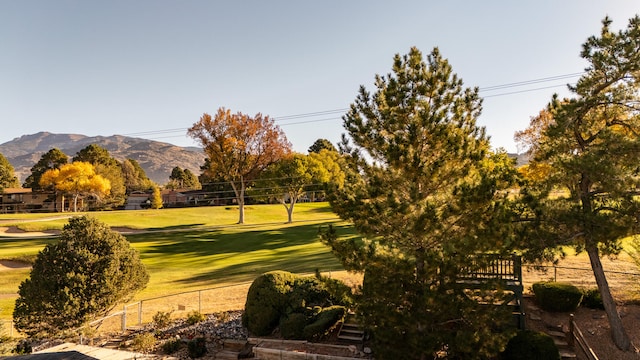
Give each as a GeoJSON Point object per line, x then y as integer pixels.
{"type": "Point", "coordinates": [151, 68]}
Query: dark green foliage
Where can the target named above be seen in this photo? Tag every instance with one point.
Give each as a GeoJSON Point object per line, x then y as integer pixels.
{"type": "Point", "coordinates": [339, 292]}
{"type": "Point", "coordinates": [8, 178]}
{"type": "Point", "coordinates": [531, 345]}
{"type": "Point", "coordinates": [197, 347]}
{"type": "Point", "coordinates": [426, 193]}
{"type": "Point", "coordinates": [23, 347]}
{"type": "Point", "coordinates": [171, 346]}
{"type": "Point", "coordinates": [267, 301]}
{"type": "Point", "coordinates": [557, 296]}
{"type": "Point", "coordinates": [324, 322]}
{"type": "Point", "coordinates": [53, 159]}
{"type": "Point", "coordinates": [592, 299]}
{"type": "Point", "coordinates": [78, 278]}
{"type": "Point", "coordinates": [292, 326]}
{"type": "Point", "coordinates": [321, 144]}
{"type": "Point", "coordinates": [278, 294]}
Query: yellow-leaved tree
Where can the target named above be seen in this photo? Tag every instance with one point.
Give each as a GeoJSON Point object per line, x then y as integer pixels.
{"type": "Point", "coordinates": [77, 178]}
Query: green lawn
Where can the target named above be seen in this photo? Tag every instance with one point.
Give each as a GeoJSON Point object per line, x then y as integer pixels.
{"type": "Point", "coordinates": [198, 248]}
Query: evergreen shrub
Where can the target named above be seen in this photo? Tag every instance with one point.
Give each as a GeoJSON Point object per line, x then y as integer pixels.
{"type": "Point", "coordinates": [267, 301]}
{"type": "Point", "coordinates": [324, 322]}
{"type": "Point", "coordinates": [557, 296]}
{"type": "Point", "coordinates": [292, 326]}
{"type": "Point", "coordinates": [197, 347]}
{"type": "Point", "coordinates": [171, 346]}
{"type": "Point", "coordinates": [592, 299]}
{"type": "Point", "coordinates": [274, 296]}
{"type": "Point", "coordinates": [531, 345]}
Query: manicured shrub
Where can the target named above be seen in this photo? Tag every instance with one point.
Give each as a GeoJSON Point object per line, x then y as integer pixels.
{"type": "Point", "coordinates": [195, 317]}
{"type": "Point", "coordinates": [278, 293]}
{"type": "Point", "coordinates": [267, 300]}
{"type": "Point", "coordinates": [531, 345]}
{"type": "Point", "coordinates": [592, 299]}
{"type": "Point", "coordinates": [197, 347]}
{"type": "Point", "coordinates": [557, 296]}
{"type": "Point", "coordinates": [324, 322]}
{"type": "Point", "coordinates": [292, 326]}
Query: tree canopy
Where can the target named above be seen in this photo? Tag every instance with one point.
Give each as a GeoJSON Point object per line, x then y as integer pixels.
{"type": "Point", "coordinates": [427, 195]}
{"type": "Point", "coordinates": [239, 147]}
{"type": "Point", "coordinates": [183, 179]}
{"type": "Point", "coordinates": [109, 168]}
{"type": "Point", "coordinates": [287, 179]}
{"type": "Point", "coordinates": [78, 178]}
{"type": "Point", "coordinates": [135, 178]}
{"type": "Point", "coordinates": [321, 144]}
{"type": "Point", "coordinates": [8, 178]}
{"type": "Point", "coordinates": [52, 159]}
{"type": "Point", "coordinates": [588, 146]}
{"type": "Point", "coordinates": [77, 278]}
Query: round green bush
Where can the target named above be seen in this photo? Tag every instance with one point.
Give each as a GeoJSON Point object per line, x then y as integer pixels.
{"type": "Point", "coordinates": [592, 299]}
{"type": "Point", "coordinates": [292, 326]}
{"type": "Point", "coordinates": [531, 345]}
{"type": "Point", "coordinates": [279, 293]}
{"type": "Point", "coordinates": [557, 296]}
{"type": "Point", "coordinates": [266, 301]}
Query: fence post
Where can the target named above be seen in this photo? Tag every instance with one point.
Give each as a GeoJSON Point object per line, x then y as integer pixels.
{"type": "Point", "coordinates": [140, 313]}
{"type": "Point", "coordinates": [555, 273]}
{"type": "Point", "coordinates": [124, 318]}
{"type": "Point", "coordinates": [200, 301]}
{"type": "Point", "coordinates": [571, 337]}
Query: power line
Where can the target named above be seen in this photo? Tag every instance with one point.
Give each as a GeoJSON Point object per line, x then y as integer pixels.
{"type": "Point", "coordinates": [343, 110]}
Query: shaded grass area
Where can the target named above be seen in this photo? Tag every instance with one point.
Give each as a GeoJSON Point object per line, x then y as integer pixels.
{"type": "Point", "coordinates": [192, 249]}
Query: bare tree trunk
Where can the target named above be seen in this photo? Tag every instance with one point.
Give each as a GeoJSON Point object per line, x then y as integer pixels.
{"type": "Point", "coordinates": [620, 337]}
{"type": "Point", "coordinates": [239, 198]}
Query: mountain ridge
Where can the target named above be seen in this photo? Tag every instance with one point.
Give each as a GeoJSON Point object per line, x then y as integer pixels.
{"type": "Point", "coordinates": [155, 157]}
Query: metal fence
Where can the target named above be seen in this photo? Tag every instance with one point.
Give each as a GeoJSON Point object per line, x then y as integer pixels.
{"type": "Point", "coordinates": [179, 305]}
{"type": "Point", "coordinates": [623, 284]}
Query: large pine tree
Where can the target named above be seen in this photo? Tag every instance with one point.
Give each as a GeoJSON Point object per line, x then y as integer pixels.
{"type": "Point", "coordinates": [424, 191]}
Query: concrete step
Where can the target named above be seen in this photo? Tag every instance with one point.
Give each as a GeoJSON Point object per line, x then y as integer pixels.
{"type": "Point", "coordinates": [567, 354]}
{"type": "Point", "coordinates": [234, 345]}
{"type": "Point", "coordinates": [227, 355]}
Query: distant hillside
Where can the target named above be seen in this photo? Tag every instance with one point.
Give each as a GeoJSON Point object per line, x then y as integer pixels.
{"type": "Point", "coordinates": [156, 158]}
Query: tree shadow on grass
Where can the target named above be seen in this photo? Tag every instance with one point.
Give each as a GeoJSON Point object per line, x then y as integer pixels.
{"type": "Point", "coordinates": [238, 256]}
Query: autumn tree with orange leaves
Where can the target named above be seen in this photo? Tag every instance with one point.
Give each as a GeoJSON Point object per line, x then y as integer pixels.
{"type": "Point", "coordinates": [239, 147]}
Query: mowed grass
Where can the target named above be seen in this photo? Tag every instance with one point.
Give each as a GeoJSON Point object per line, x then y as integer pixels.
{"type": "Point", "coordinates": [196, 248]}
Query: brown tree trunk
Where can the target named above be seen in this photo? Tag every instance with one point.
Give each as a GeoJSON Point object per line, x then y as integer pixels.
{"type": "Point", "coordinates": [620, 337]}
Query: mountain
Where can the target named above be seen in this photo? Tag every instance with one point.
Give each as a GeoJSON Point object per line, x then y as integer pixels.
{"type": "Point", "coordinates": [156, 158]}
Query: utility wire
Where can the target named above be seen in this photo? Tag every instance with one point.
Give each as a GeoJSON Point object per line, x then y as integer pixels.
{"type": "Point", "coordinates": [343, 110]}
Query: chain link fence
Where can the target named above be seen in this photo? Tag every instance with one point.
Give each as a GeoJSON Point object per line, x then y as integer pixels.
{"type": "Point", "coordinates": [623, 284]}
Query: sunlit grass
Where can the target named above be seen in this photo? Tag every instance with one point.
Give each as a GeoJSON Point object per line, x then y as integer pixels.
{"type": "Point", "coordinates": [195, 248]}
